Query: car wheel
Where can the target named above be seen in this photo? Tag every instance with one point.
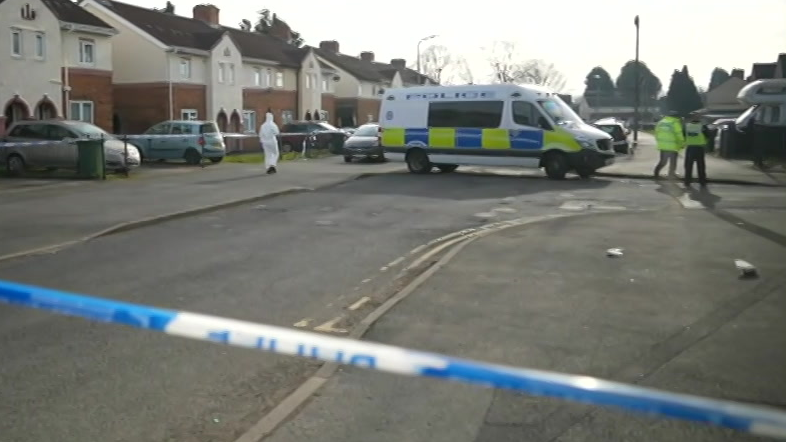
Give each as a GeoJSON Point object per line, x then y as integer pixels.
{"type": "Point", "coordinates": [447, 168]}
{"type": "Point", "coordinates": [286, 148]}
{"type": "Point", "coordinates": [216, 160]}
{"type": "Point", "coordinates": [418, 162]}
{"type": "Point", "coordinates": [15, 165]}
{"type": "Point", "coordinates": [381, 158]}
{"type": "Point", "coordinates": [192, 157]}
{"type": "Point", "coordinates": [556, 165]}
{"type": "Point", "coordinates": [347, 158]}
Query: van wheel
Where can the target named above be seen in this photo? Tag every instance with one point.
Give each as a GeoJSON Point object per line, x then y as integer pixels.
{"type": "Point", "coordinates": [192, 157]}
{"type": "Point", "coordinates": [556, 165]}
{"type": "Point", "coordinates": [15, 165]}
{"type": "Point", "coordinates": [447, 168]}
{"type": "Point", "coordinates": [418, 162]}
{"type": "Point", "coordinates": [585, 173]}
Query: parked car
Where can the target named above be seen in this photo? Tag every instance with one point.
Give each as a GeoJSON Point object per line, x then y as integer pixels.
{"type": "Point", "coordinates": [63, 152]}
{"type": "Point", "coordinates": [201, 139]}
{"type": "Point", "coordinates": [618, 131]}
{"type": "Point", "coordinates": [364, 143]}
{"type": "Point", "coordinates": [349, 130]}
{"type": "Point", "coordinates": [327, 136]}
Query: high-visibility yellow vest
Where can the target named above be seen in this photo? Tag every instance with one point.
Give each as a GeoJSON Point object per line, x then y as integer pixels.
{"type": "Point", "coordinates": [694, 136]}
{"type": "Point", "coordinates": [668, 134]}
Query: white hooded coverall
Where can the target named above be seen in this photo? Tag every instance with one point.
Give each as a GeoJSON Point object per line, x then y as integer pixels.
{"type": "Point", "coordinates": [267, 136]}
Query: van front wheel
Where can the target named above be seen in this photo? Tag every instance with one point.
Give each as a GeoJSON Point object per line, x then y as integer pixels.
{"type": "Point", "coordinates": [418, 162]}
{"type": "Point", "coordinates": [556, 165]}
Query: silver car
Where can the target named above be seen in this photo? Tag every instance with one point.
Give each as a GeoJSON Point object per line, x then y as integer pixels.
{"type": "Point", "coordinates": [62, 153]}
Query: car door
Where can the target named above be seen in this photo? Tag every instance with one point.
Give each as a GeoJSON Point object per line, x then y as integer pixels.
{"type": "Point", "coordinates": [177, 146]}
{"type": "Point", "coordinates": [63, 149]}
{"type": "Point", "coordinates": [527, 134]}
{"type": "Point", "coordinates": [156, 148]}
{"type": "Point", "coordinates": [39, 155]}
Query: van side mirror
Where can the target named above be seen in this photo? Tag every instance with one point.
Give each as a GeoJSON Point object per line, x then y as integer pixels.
{"type": "Point", "coordinates": [543, 123]}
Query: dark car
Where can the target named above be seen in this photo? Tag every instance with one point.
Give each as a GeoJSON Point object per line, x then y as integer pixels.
{"type": "Point", "coordinates": [364, 143]}
{"type": "Point", "coordinates": [618, 132]}
{"type": "Point", "coordinates": [321, 134]}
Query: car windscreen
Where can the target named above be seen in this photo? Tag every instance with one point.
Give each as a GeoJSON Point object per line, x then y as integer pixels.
{"type": "Point", "coordinates": [366, 131]}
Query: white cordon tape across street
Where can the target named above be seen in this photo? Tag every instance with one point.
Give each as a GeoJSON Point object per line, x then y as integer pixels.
{"type": "Point", "coordinates": [121, 138]}
{"type": "Point", "coordinates": [743, 417]}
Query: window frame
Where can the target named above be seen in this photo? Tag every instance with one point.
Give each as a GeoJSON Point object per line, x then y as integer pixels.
{"type": "Point", "coordinates": [185, 62]}
{"type": "Point", "coordinates": [534, 113]}
{"type": "Point", "coordinates": [185, 114]}
{"type": "Point", "coordinates": [81, 106]}
{"type": "Point", "coordinates": [279, 79]}
{"type": "Point", "coordinates": [249, 120]}
{"type": "Point", "coordinates": [231, 73]}
{"type": "Point", "coordinates": [39, 37]}
{"type": "Point", "coordinates": [17, 35]}
{"type": "Point", "coordinates": [221, 73]}
{"type": "Point", "coordinates": [84, 43]}
{"type": "Point", "coordinates": [257, 77]}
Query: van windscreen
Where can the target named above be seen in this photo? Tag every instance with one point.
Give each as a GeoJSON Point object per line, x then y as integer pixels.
{"type": "Point", "coordinates": [482, 114]}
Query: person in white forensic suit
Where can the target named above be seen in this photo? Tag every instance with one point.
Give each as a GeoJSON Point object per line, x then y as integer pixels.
{"type": "Point", "coordinates": [268, 133]}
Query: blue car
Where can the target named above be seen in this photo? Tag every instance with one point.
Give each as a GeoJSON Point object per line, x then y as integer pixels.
{"type": "Point", "coordinates": [200, 139]}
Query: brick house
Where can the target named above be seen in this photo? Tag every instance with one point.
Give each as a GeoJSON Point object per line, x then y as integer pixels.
{"type": "Point", "coordinates": [361, 80]}
{"type": "Point", "coordinates": [194, 68]}
{"type": "Point", "coordinates": [58, 65]}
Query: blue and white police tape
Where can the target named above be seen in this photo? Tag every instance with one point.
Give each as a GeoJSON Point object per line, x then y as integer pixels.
{"type": "Point", "coordinates": [739, 416]}
{"type": "Point", "coordinates": [119, 137]}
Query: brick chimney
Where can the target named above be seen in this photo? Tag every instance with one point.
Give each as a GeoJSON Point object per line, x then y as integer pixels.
{"type": "Point", "coordinates": [329, 45]}
{"type": "Point", "coordinates": [207, 13]}
{"type": "Point", "coordinates": [280, 29]}
{"type": "Point", "coordinates": [367, 56]}
{"type": "Point", "coordinates": [398, 63]}
{"type": "Point", "coordinates": [738, 73]}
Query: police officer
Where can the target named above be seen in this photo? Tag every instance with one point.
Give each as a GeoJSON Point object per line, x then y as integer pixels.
{"type": "Point", "coordinates": [670, 139]}
{"type": "Point", "coordinates": [697, 136]}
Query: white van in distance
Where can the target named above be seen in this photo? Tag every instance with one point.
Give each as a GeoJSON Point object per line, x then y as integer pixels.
{"type": "Point", "coordinates": [489, 125]}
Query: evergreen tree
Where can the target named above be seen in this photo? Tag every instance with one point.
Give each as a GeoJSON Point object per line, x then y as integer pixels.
{"type": "Point", "coordinates": [718, 77]}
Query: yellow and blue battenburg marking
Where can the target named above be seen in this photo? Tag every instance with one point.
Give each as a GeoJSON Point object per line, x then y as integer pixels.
{"type": "Point", "coordinates": [463, 138]}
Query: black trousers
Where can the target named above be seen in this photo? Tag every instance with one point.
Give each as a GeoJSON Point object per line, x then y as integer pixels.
{"type": "Point", "coordinates": [695, 154]}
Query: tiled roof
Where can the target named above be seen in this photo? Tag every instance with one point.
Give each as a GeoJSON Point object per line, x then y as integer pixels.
{"type": "Point", "coordinates": [186, 32]}
{"type": "Point", "coordinates": [361, 69]}
{"type": "Point", "coordinates": [69, 12]}
{"type": "Point", "coordinates": [408, 76]}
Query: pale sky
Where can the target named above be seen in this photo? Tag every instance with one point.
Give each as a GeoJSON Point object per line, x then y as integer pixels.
{"type": "Point", "coordinates": [575, 35]}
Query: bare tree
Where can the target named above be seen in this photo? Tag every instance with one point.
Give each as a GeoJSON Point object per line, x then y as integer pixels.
{"type": "Point", "coordinates": [434, 60]}
{"type": "Point", "coordinates": [463, 72]}
{"type": "Point", "coordinates": [509, 66]}
{"type": "Point", "coordinates": [543, 73]}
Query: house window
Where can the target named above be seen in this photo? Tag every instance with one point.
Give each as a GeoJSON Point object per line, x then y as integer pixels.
{"type": "Point", "coordinates": [221, 72]}
{"type": "Point", "coordinates": [231, 73]}
{"type": "Point", "coordinates": [325, 85]}
{"type": "Point", "coordinates": [185, 68]}
{"type": "Point", "coordinates": [279, 79]}
{"type": "Point", "coordinates": [87, 52]}
{"type": "Point", "coordinates": [287, 116]}
{"type": "Point", "coordinates": [40, 45]}
{"type": "Point", "coordinates": [189, 114]}
{"type": "Point", "coordinates": [268, 78]}
{"type": "Point", "coordinates": [360, 90]}
{"type": "Point", "coordinates": [257, 77]}
{"type": "Point", "coordinates": [82, 111]}
{"type": "Point", "coordinates": [249, 120]}
{"type": "Point", "coordinates": [16, 42]}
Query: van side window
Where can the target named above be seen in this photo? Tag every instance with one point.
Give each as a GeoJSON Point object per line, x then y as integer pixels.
{"type": "Point", "coordinates": [524, 113]}
{"type": "Point", "coordinates": [479, 114]}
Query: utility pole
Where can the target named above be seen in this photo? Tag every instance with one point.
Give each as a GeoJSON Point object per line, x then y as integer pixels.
{"type": "Point", "coordinates": [637, 87]}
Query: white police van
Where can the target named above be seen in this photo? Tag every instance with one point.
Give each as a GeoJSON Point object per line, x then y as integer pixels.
{"type": "Point", "coordinates": [489, 125]}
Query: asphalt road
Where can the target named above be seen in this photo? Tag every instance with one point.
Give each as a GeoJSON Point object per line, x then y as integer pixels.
{"type": "Point", "coordinates": [300, 259]}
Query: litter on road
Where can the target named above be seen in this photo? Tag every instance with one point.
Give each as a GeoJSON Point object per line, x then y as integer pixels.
{"type": "Point", "coordinates": [747, 269]}
{"type": "Point", "coordinates": [613, 253]}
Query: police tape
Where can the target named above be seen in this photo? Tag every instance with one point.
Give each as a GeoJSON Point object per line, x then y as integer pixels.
{"type": "Point", "coordinates": [743, 417]}
{"type": "Point", "coordinates": [119, 138]}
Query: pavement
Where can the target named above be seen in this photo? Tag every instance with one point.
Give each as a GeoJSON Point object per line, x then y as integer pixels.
{"type": "Point", "coordinates": [670, 313]}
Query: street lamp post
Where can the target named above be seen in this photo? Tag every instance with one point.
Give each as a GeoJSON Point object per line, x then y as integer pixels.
{"type": "Point", "coordinates": [419, 42]}
{"type": "Point", "coordinates": [636, 89]}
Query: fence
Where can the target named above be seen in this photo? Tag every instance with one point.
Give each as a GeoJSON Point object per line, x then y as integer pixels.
{"type": "Point", "coordinates": [759, 420]}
